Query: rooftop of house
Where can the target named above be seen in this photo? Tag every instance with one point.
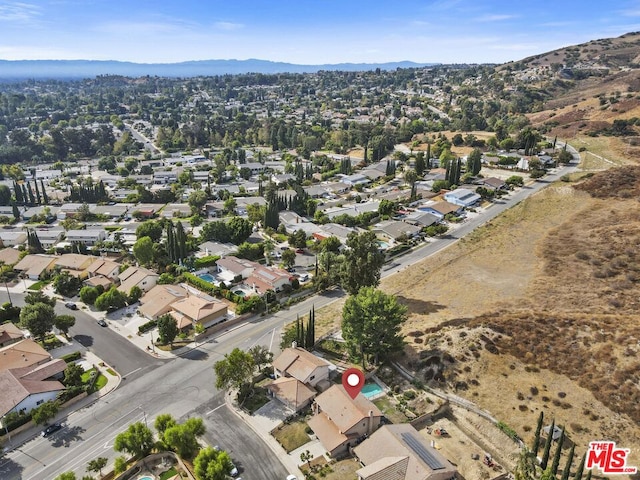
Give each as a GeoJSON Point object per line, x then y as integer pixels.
{"type": "Point", "coordinates": [103, 267]}
{"type": "Point", "coordinates": [159, 298]}
{"type": "Point", "coordinates": [291, 390]}
{"type": "Point", "coordinates": [132, 276]}
{"type": "Point", "coordinates": [344, 411]}
{"type": "Point", "coordinates": [15, 389]}
{"type": "Point", "coordinates": [9, 256]}
{"type": "Point", "coordinates": [9, 332]}
{"type": "Point", "coordinates": [298, 362]}
{"type": "Point", "coordinates": [74, 261]}
{"type": "Point", "coordinates": [24, 353]}
{"type": "Point", "coordinates": [198, 308]}
{"type": "Point", "coordinates": [235, 264]}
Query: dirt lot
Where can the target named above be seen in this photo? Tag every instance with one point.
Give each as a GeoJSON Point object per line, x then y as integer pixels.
{"type": "Point", "coordinates": [540, 306]}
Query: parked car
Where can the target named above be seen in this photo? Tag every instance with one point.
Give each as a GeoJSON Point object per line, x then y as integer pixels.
{"type": "Point", "coordinates": [102, 323]}
{"type": "Point", "coordinates": [299, 250]}
{"type": "Point", "coordinates": [292, 477]}
{"type": "Point", "coordinates": [51, 429]}
{"type": "Point", "coordinates": [71, 306]}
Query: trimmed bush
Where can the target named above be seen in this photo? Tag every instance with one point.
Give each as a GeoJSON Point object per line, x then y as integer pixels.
{"type": "Point", "coordinates": [71, 357]}
{"type": "Point", "coordinates": [145, 327]}
{"type": "Point", "coordinates": [206, 261]}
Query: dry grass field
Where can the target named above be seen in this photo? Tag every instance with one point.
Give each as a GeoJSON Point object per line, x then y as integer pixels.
{"type": "Point", "coordinates": [537, 310]}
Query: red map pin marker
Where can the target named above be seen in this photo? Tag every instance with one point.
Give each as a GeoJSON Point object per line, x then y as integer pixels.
{"type": "Point", "coordinates": [353, 381]}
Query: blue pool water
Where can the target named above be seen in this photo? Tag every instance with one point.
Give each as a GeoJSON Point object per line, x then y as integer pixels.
{"type": "Point", "coordinates": [371, 390]}
{"type": "Point", "coordinates": [145, 478]}
{"type": "Point", "coordinates": [383, 245]}
{"type": "Point", "coordinates": [207, 277]}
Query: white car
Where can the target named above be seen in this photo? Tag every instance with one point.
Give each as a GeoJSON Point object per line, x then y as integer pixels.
{"type": "Point", "coordinates": [292, 477]}
{"type": "Point", "coordinates": [234, 470]}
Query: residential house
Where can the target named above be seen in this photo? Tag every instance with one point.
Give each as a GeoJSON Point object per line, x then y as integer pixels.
{"type": "Point", "coordinates": [421, 219]}
{"type": "Point", "coordinates": [338, 188]}
{"type": "Point", "coordinates": [355, 179]}
{"type": "Point", "coordinates": [341, 422]}
{"type": "Point", "coordinates": [12, 238]}
{"type": "Point", "coordinates": [282, 178]}
{"type": "Point", "coordinates": [373, 174]}
{"type": "Point", "coordinates": [32, 266]}
{"type": "Point", "coordinates": [104, 268]}
{"type": "Point", "coordinates": [394, 230]}
{"type": "Point", "coordinates": [547, 161]}
{"type": "Point", "coordinates": [86, 237]}
{"type": "Point", "coordinates": [304, 366]}
{"type": "Point", "coordinates": [232, 267]}
{"type": "Point", "coordinates": [334, 230]}
{"type": "Point", "coordinates": [23, 392]}
{"type": "Point", "coordinates": [137, 276]}
{"type": "Point", "coordinates": [216, 248]}
{"type": "Point", "coordinates": [69, 210]}
{"type": "Point", "coordinates": [123, 193]}
{"type": "Point", "coordinates": [462, 197]}
{"type": "Point", "coordinates": [289, 217]}
{"type": "Point", "coordinates": [214, 209]}
{"type": "Point", "coordinates": [164, 178]}
{"type": "Point", "coordinates": [441, 209]}
{"type": "Point", "coordinates": [254, 167]}
{"type": "Point", "coordinates": [47, 174]}
{"type": "Point", "coordinates": [353, 210]}
{"type": "Point", "coordinates": [399, 452]}
{"type": "Point", "coordinates": [50, 211]}
{"type": "Point", "coordinates": [6, 211]}
{"type": "Point", "coordinates": [146, 210]}
{"type": "Point", "coordinates": [48, 237]}
{"type": "Point", "coordinates": [9, 256]}
{"type": "Point", "coordinates": [179, 210]}
{"type": "Point", "coordinates": [9, 334]}
{"type": "Point", "coordinates": [157, 301]}
{"type": "Point", "coordinates": [493, 183]}
{"type": "Point", "coordinates": [202, 310]}
{"type": "Point", "coordinates": [74, 263]}
{"type": "Point", "coordinates": [317, 191]}
{"type": "Point", "coordinates": [292, 393]}
{"type": "Point", "coordinates": [112, 211]}
{"type": "Point", "coordinates": [23, 353]}
{"type": "Point", "coordinates": [263, 279]}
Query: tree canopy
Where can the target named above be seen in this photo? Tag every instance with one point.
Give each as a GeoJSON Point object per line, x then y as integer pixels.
{"type": "Point", "coordinates": [38, 318]}
{"type": "Point", "coordinates": [363, 262]}
{"type": "Point", "coordinates": [137, 440]}
{"type": "Point", "coordinates": [235, 370]}
{"type": "Point", "coordinates": [371, 322]}
{"type": "Point", "coordinates": [211, 464]}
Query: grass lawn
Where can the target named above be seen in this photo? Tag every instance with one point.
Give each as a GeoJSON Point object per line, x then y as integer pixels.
{"type": "Point", "coordinates": [101, 382]}
{"type": "Point", "coordinates": [258, 399]}
{"type": "Point", "coordinates": [292, 436]}
{"type": "Point", "coordinates": [87, 375]}
{"type": "Point", "coordinates": [389, 410]}
{"type": "Point", "coordinates": [169, 473]}
{"type": "Point", "coordinates": [344, 469]}
{"type": "Point", "coordinates": [37, 286]}
{"type": "Point", "coordinates": [111, 372]}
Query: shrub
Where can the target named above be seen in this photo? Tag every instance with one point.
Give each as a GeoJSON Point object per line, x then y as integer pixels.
{"type": "Point", "coordinates": [207, 261]}
{"type": "Point", "coordinates": [145, 327]}
{"type": "Point", "coordinates": [71, 357]}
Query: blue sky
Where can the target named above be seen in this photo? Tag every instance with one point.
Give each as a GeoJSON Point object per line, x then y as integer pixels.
{"type": "Point", "coordinates": [306, 31]}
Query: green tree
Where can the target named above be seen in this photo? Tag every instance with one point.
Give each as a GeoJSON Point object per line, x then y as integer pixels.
{"type": "Point", "coordinates": [235, 370]}
{"type": "Point", "coordinates": [536, 437]}
{"type": "Point", "coordinates": [89, 294]}
{"type": "Point", "coordinates": [362, 262]}
{"type": "Point", "coordinates": [64, 323]}
{"type": "Point", "coordinates": [474, 161]}
{"type": "Point", "coordinates": [580, 469]}
{"type": "Point", "coordinates": [45, 412]}
{"type": "Point", "coordinates": [167, 329]}
{"type": "Point", "coordinates": [289, 258]}
{"type": "Point", "coordinates": [112, 299]}
{"type": "Point", "coordinates": [420, 164]}
{"type": "Point", "coordinates": [239, 229]}
{"type": "Point", "coordinates": [197, 199]}
{"type": "Point", "coordinates": [143, 250]}
{"type": "Point", "coordinates": [211, 464]}
{"type": "Point", "coordinates": [163, 422]}
{"type": "Point", "coordinates": [134, 294]}
{"type": "Point", "coordinates": [137, 440]}
{"type": "Point", "coordinates": [119, 465]}
{"type": "Point", "coordinates": [183, 438]}
{"type": "Point", "coordinates": [39, 297]}
{"type": "Point", "coordinates": [97, 464]}
{"type": "Point", "coordinates": [261, 356]}
{"type": "Point", "coordinates": [556, 456]}
{"type": "Point", "coordinates": [66, 476]}
{"type": "Point", "coordinates": [567, 467]}
{"type": "Point", "coordinates": [38, 318]}
{"type": "Point", "coordinates": [306, 456]}
{"type": "Point", "coordinates": [73, 375]}
{"type": "Point", "coordinates": [547, 447]}
{"type": "Point", "coordinates": [5, 195]}
{"type": "Point", "coordinates": [410, 176]}
{"type": "Point", "coordinates": [332, 244]}
{"type": "Point", "coordinates": [298, 239]}
{"type": "Point", "coordinates": [371, 323]}
{"type": "Point", "coordinates": [151, 229]}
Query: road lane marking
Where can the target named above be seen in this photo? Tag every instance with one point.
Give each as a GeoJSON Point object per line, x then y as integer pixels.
{"type": "Point", "coordinates": [217, 408]}
{"type": "Point", "coordinates": [131, 373]}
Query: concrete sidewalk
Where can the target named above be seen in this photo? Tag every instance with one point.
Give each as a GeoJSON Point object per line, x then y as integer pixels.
{"type": "Point", "coordinates": [289, 462]}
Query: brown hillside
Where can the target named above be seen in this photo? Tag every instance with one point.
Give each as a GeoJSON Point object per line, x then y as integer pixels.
{"type": "Point", "coordinates": [623, 182]}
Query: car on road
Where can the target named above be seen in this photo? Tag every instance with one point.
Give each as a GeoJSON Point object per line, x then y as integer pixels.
{"type": "Point", "coordinates": [71, 306]}
{"type": "Point", "coordinates": [102, 323]}
{"type": "Point", "coordinates": [292, 477]}
{"type": "Point", "coordinates": [234, 471]}
{"type": "Point", "coordinates": [51, 429]}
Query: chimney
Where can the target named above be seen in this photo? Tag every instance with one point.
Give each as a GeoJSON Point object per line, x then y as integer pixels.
{"type": "Point", "coordinates": [370, 430]}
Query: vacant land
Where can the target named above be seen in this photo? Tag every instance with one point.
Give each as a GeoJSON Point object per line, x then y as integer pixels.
{"type": "Point", "coordinates": [537, 311]}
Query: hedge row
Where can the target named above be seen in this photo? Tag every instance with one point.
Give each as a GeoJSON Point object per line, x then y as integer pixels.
{"type": "Point", "coordinates": [145, 327]}
{"type": "Point", "coordinates": [71, 357]}
{"type": "Point", "coordinates": [206, 261]}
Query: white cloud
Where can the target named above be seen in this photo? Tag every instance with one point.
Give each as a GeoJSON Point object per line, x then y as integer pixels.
{"type": "Point", "coordinates": [18, 12]}
{"type": "Point", "coordinates": [228, 26]}
{"type": "Point", "coordinates": [494, 18]}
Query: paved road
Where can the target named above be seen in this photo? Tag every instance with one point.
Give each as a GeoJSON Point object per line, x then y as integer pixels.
{"type": "Point", "coordinates": [106, 344]}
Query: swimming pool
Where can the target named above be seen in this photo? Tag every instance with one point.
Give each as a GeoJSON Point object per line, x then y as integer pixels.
{"type": "Point", "coordinates": [207, 277]}
{"type": "Point", "coordinates": [371, 390]}
{"type": "Point", "coordinates": [146, 477]}
{"type": "Point", "coordinates": [383, 245]}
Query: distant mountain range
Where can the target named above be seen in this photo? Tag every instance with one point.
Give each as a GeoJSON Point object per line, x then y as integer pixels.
{"type": "Point", "coordinates": [74, 69]}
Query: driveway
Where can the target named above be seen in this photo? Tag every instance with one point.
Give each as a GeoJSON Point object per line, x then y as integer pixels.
{"type": "Point", "coordinates": [271, 415]}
